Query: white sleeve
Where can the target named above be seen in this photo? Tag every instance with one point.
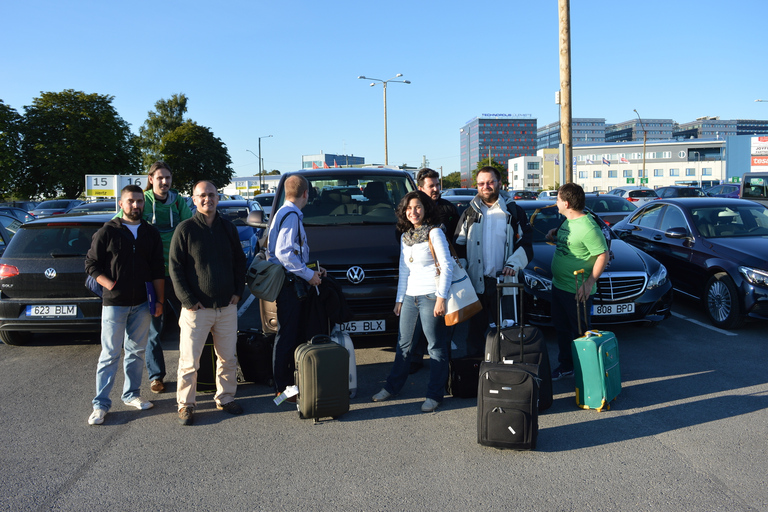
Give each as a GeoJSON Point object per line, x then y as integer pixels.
{"type": "Point", "coordinates": [404, 272]}
{"type": "Point", "coordinates": [443, 255]}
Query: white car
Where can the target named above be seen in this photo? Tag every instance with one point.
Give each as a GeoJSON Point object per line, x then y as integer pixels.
{"type": "Point", "coordinates": [547, 194]}
{"type": "Point", "coordinates": [265, 200]}
{"type": "Point", "coordinates": [635, 194]}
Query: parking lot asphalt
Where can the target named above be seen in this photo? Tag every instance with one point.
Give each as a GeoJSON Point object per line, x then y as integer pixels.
{"type": "Point", "coordinates": [687, 433]}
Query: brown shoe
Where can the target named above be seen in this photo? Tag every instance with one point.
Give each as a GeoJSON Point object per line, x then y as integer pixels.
{"type": "Point", "coordinates": [186, 415]}
{"type": "Point", "coordinates": [157, 386]}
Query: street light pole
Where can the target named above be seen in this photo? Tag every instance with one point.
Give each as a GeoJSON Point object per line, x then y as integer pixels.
{"type": "Point", "coordinates": [261, 182]}
{"type": "Point", "coordinates": [384, 83]}
{"type": "Point", "coordinates": [644, 140]}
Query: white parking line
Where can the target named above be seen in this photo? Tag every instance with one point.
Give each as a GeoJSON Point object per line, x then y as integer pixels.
{"type": "Point", "coordinates": [245, 305]}
{"type": "Point", "coordinates": [721, 331]}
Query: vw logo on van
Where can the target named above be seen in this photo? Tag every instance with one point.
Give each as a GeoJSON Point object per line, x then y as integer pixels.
{"type": "Point", "coordinates": [355, 275]}
{"type": "Point", "coordinates": [50, 273]}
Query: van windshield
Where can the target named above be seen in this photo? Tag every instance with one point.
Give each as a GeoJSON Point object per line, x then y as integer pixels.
{"type": "Point", "coordinates": [360, 199]}
{"type": "Point", "coordinates": [754, 187]}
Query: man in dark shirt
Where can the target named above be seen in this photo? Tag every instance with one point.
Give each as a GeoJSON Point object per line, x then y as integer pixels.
{"type": "Point", "coordinates": [428, 181]}
{"type": "Point", "coordinates": [207, 267]}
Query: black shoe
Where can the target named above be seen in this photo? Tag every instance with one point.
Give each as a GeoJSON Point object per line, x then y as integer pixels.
{"type": "Point", "coordinates": [186, 415]}
{"type": "Point", "coordinates": [230, 407]}
{"type": "Point", "coordinates": [415, 366]}
{"type": "Point", "coordinates": [562, 373]}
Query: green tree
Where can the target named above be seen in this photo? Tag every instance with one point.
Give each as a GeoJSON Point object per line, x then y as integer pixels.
{"type": "Point", "coordinates": [493, 163]}
{"type": "Point", "coordinates": [273, 172]}
{"type": "Point", "coordinates": [194, 154]}
{"type": "Point", "coordinates": [69, 134]}
{"type": "Point", "coordinates": [11, 161]}
{"type": "Point", "coordinates": [167, 116]}
{"type": "Point", "coordinates": [452, 180]}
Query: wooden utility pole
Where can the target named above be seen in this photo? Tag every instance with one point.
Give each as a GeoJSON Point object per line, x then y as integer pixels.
{"type": "Point", "coordinates": [564, 13]}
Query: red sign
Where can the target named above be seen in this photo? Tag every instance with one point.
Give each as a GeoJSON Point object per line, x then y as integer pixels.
{"type": "Point", "coordinates": [760, 160]}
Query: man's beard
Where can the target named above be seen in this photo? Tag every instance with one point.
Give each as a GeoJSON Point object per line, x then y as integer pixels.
{"type": "Point", "coordinates": [133, 215]}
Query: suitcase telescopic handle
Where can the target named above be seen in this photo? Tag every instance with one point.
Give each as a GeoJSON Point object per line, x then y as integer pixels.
{"type": "Point", "coordinates": [520, 320]}
{"type": "Point", "coordinates": [576, 275]}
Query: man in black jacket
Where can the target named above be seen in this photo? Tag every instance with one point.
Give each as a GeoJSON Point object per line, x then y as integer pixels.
{"type": "Point", "coordinates": [125, 255]}
{"type": "Point", "coordinates": [207, 266]}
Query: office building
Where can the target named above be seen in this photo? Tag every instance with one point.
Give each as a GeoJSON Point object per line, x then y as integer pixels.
{"type": "Point", "coordinates": [502, 136]}
{"type": "Point", "coordinates": [584, 130]}
{"type": "Point", "coordinates": [330, 160]}
{"type": "Point", "coordinates": [632, 130]}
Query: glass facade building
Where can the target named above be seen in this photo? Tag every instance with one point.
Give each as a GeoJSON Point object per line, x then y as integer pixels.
{"type": "Point", "coordinates": [503, 136]}
{"type": "Point", "coordinates": [330, 160]}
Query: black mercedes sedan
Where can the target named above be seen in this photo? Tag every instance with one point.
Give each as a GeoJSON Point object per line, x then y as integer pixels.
{"type": "Point", "coordinates": [716, 250]}
{"type": "Point", "coordinates": [633, 288]}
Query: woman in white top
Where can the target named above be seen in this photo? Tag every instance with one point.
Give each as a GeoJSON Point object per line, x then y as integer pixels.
{"type": "Point", "coordinates": [421, 296]}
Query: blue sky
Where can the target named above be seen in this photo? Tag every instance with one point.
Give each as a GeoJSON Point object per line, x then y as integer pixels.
{"type": "Point", "coordinates": [289, 68]}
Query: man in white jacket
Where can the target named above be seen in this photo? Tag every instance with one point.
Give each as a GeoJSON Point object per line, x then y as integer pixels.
{"type": "Point", "coordinates": [495, 239]}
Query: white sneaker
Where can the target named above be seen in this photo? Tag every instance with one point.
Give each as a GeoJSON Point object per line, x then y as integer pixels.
{"type": "Point", "coordinates": [381, 395]}
{"type": "Point", "coordinates": [97, 416]}
{"type": "Point", "coordinates": [139, 403]}
{"type": "Point", "coordinates": [429, 405]}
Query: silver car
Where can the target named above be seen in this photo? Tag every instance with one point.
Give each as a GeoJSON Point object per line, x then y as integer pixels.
{"type": "Point", "coordinates": [635, 194]}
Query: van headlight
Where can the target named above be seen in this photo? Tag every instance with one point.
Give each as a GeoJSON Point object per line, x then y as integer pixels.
{"type": "Point", "coordinates": [658, 278]}
{"type": "Point", "coordinates": [755, 276]}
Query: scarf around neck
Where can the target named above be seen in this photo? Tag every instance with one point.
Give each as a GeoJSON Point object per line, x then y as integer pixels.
{"type": "Point", "coordinates": [417, 235]}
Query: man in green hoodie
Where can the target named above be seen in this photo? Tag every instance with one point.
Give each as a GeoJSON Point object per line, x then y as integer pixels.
{"type": "Point", "coordinates": [164, 208]}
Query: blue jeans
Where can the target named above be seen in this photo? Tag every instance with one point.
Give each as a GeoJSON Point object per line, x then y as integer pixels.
{"type": "Point", "coordinates": [121, 326]}
{"type": "Point", "coordinates": [154, 354]}
{"type": "Point", "coordinates": [565, 319]}
{"type": "Point", "coordinates": [417, 316]}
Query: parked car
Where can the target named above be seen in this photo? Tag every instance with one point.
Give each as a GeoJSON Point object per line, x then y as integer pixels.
{"type": "Point", "coordinates": [714, 248]}
{"type": "Point", "coordinates": [460, 202]}
{"type": "Point", "coordinates": [754, 186]}
{"type": "Point", "coordinates": [459, 192]}
{"type": "Point", "coordinates": [11, 224]}
{"type": "Point", "coordinates": [265, 200]}
{"type": "Point", "coordinates": [609, 208]}
{"type": "Point", "coordinates": [42, 278]}
{"type": "Point", "coordinates": [54, 207]}
{"type": "Point", "coordinates": [237, 212]}
{"type": "Point", "coordinates": [96, 207]}
{"type": "Point", "coordinates": [635, 194]}
{"type": "Point", "coordinates": [5, 238]}
{"type": "Point", "coordinates": [522, 195]}
{"type": "Point", "coordinates": [547, 194]}
{"type": "Point", "coordinates": [17, 213]}
{"type": "Point", "coordinates": [725, 190]}
{"type": "Point", "coordinates": [633, 288]}
{"type": "Point", "coordinates": [680, 191]}
{"type": "Point", "coordinates": [350, 225]}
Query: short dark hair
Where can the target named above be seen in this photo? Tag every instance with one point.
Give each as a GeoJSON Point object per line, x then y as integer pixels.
{"type": "Point", "coordinates": [431, 213]}
{"type": "Point", "coordinates": [134, 189]}
{"type": "Point", "coordinates": [425, 173]}
{"type": "Point", "coordinates": [494, 170]}
{"type": "Point", "coordinates": [573, 194]}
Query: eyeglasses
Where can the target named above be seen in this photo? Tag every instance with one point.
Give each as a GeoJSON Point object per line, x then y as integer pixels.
{"type": "Point", "coordinates": [204, 196]}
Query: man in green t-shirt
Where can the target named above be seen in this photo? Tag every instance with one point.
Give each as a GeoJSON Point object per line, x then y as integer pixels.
{"type": "Point", "coordinates": [581, 245]}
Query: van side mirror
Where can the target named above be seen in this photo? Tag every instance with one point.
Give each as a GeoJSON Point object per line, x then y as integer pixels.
{"type": "Point", "coordinates": [256, 219]}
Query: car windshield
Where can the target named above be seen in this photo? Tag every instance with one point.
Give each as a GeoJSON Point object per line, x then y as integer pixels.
{"type": "Point", "coordinates": [236, 214]}
{"type": "Point", "coordinates": [362, 199]}
{"type": "Point", "coordinates": [604, 204]}
{"type": "Point", "coordinates": [755, 187]}
{"type": "Point", "coordinates": [264, 200]}
{"type": "Point", "coordinates": [690, 192]}
{"type": "Point", "coordinates": [731, 221]}
{"type": "Point", "coordinates": [57, 240]}
{"type": "Point", "coordinates": [10, 224]}
{"type": "Point", "coordinates": [642, 193]}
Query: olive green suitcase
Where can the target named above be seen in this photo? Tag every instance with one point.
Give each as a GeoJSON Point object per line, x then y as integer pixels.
{"type": "Point", "coordinates": [322, 376]}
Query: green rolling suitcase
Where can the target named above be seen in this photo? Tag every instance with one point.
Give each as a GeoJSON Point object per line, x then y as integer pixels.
{"type": "Point", "coordinates": [596, 369]}
{"type": "Point", "coordinates": [322, 376]}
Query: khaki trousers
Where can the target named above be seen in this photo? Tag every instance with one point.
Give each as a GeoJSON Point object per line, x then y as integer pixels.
{"type": "Point", "coordinates": [194, 328]}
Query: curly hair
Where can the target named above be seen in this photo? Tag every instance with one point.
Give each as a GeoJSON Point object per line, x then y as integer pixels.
{"type": "Point", "coordinates": [431, 214]}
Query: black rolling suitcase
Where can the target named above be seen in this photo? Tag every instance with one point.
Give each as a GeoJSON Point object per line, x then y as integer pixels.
{"type": "Point", "coordinates": [206, 374]}
{"type": "Point", "coordinates": [507, 400]}
{"type": "Point", "coordinates": [535, 349]}
{"type": "Point", "coordinates": [322, 376]}
{"type": "Point", "coordinates": [254, 356]}
{"type": "Point", "coordinates": [463, 373]}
